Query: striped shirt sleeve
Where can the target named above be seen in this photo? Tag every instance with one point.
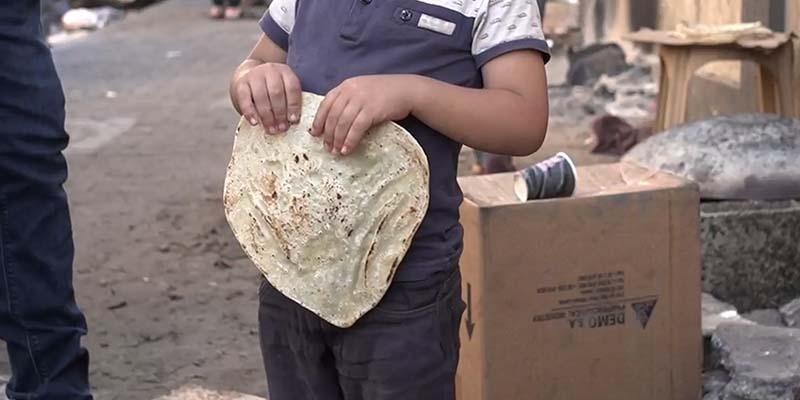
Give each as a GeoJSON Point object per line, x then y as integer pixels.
{"type": "Point", "coordinates": [278, 21]}
{"type": "Point", "coordinates": [504, 26]}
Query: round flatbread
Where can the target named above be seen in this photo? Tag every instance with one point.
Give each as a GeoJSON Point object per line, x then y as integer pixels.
{"type": "Point", "coordinates": [327, 231]}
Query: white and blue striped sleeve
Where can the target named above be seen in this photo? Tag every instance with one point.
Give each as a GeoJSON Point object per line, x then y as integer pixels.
{"type": "Point", "coordinates": [503, 26]}
{"type": "Point", "coordinates": [278, 21]}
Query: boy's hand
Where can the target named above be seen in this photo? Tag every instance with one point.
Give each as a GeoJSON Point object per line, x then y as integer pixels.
{"type": "Point", "coordinates": [360, 103]}
{"type": "Point", "coordinates": [269, 94]}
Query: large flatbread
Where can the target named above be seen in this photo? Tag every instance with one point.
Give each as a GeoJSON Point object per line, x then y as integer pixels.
{"type": "Point", "coordinates": [326, 231]}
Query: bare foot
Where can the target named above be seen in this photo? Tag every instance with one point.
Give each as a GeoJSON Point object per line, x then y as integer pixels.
{"type": "Point", "coordinates": [233, 12]}
{"type": "Point", "coordinates": [216, 12]}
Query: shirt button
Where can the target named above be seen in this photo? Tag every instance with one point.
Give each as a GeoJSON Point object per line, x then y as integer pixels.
{"type": "Point", "coordinates": [406, 15]}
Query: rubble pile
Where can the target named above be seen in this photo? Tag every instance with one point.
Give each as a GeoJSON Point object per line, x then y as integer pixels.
{"type": "Point", "coordinates": [630, 94]}
{"type": "Point", "coordinates": [750, 359]}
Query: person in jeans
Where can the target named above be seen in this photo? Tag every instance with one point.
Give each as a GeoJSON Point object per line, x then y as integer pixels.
{"type": "Point", "coordinates": [228, 9]}
{"type": "Point", "coordinates": [39, 319]}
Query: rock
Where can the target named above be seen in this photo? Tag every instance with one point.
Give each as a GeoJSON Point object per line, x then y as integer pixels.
{"type": "Point", "coordinates": [744, 157]}
{"type": "Point", "coordinates": [713, 396]}
{"type": "Point", "coordinates": [588, 64]}
{"type": "Point", "coordinates": [765, 317]}
{"type": "Point", "coordinates": [763, 362]}
{"type": "Point", "coordinates": [791, 313]}
{"type": "Point", "coordinates": [714, 383]}
{"type": "Point", "coordinates": [716, 312]}
{"type": "Point", "coordinates": [85, 18]}
{"type": "Point", "coordinates": [750, 252]}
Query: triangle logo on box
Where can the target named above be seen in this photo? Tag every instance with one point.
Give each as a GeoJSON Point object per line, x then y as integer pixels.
{"type": "Point", "coordinates": [643, 310]}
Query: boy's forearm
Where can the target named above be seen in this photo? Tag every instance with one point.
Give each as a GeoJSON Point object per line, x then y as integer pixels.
{"type": "Point", "coordinates": [492, 120]}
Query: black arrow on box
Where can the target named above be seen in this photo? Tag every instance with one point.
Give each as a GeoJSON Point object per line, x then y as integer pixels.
{"type": "Point", "coordinates": [468, 321]}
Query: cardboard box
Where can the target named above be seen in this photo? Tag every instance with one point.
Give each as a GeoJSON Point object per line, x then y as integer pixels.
{"type": "Point", "coordinates": [592, 297]}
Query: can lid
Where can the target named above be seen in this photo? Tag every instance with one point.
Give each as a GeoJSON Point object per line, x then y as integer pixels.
{"type": "Point", "coordinates": [520, 187]}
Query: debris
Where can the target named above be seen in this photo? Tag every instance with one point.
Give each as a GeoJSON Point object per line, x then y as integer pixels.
{"type": "Point", "coordinates": [574, 102]}
{"type": "Point", "coordinates": [234, 294]}
{"type": "Point", "coordinates": [173, 54]}
{"type": "Point", "coordinates": [89, 18]}
{"type": "Point", "coordinates": [791, 313]}
{"type": "Point", "coordinates": [716, 312]}
{"type": "Point", "coordinates": [615, 136]}
{"type": "Point", "coordinates": [765, 317]}
{"type": "Point", "coordinates": [164, 248]}
{"type": "Point", "coordinates": [587, 65]}
{"type": "Point", "coordinates": [111, 94]}
{"type": "Point", "coordinates": [118, 305]}
{"type": "Point", "coordinates": [222, 264]}
{"type": "Point", "coordinates": [634, 93]}
{"type": "Point", "coordinates": [714, 383]}
{"type": "Point", "coordinates": [174, 297]}
{"type": "Point", "coordinates": [763, 362]}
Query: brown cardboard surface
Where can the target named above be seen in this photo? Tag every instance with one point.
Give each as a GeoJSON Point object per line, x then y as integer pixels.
{"type": "Point", "coordinates": [591, 297]}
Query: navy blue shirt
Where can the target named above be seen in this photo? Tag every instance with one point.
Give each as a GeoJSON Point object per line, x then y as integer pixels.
{"type": "Point", "coordinates": [329, 41]}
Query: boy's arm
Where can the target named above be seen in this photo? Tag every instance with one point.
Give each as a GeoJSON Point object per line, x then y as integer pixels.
{"type": "Point", "coordinates": [508, 116]}
{"type": "Point", "coordinates": [265, 90]}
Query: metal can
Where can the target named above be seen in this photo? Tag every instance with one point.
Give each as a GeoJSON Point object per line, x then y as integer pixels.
{"type": "Point", "coordinates": [552, 178]}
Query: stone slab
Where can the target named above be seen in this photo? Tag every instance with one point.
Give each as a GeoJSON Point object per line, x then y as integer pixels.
{"type": "Point", "coordinates": [763, 362]}
{"type": "Point", "coordinates": [751, 252]}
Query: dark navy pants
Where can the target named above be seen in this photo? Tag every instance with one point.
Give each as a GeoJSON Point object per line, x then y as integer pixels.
{"type": "Point", "coordinates": [406, 348]}
{"type": "Point", "coordinates": [39, 319]}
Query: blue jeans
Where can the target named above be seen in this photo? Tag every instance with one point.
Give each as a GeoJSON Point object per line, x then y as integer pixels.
{"type": "Point", "coordinates": [405, 348]}
{"type": "Point", "coordinates": [39, 319]}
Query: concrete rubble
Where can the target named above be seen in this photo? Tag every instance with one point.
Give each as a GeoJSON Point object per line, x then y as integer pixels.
{"type": "Point", "coordinates": [763, 362]}
{"type": "Point", "coordinates": [749, 359]}
{"type": "Point", "coordinates": [765, 317]}
{"type": "Point", "coordinates": [630, 95]}
{"type": "Point", "coordinates": [716, 313]}
{"type": "Point", "coordinates": [791, 313]}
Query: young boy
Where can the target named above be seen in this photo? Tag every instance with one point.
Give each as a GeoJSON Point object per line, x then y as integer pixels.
{"type": "Point", "coordinates": [452, 72]}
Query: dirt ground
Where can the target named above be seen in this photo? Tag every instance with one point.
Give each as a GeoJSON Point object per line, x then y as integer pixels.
{"type": "Point", "coordinates": [169, 297]}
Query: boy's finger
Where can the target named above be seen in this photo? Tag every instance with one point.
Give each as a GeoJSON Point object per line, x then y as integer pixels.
{"type": "Point", "coordinates": [343, 125]}
{"type": "Point", "coordinates": [261, 101]}
{"type": "Point", "coordinates": [318, 126]}
{"type": "Point", "coordinates": [246, 106]}
{"type": "Point", "coordinates": [277, 99]}
{"type": "Point", "coordinates": [294, 96]}
{"type": "Point", "coordinates": [360, 126]}
{"type": "Point", "coordinates": [332, 121]}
